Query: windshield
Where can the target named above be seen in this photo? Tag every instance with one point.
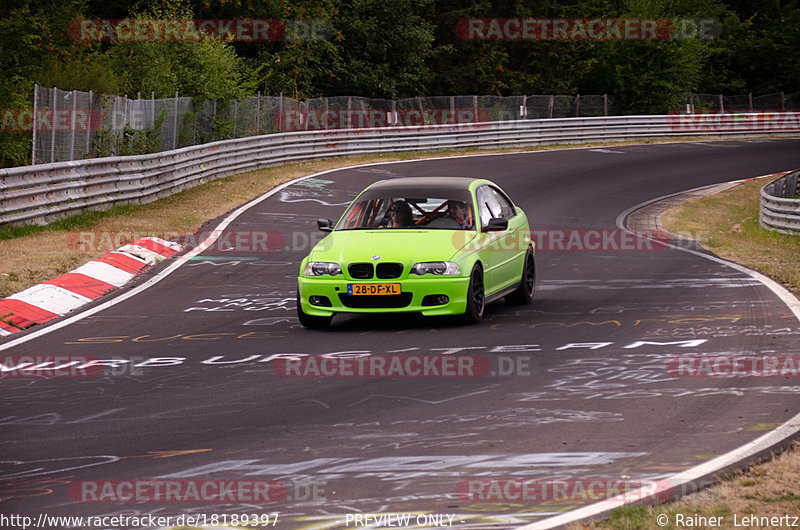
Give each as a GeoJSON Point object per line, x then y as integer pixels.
{"type": "Point", "coordinates": [392, 211]}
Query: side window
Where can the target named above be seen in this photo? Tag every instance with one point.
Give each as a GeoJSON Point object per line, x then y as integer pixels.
{"type": "Point", "coordinates": [506, 207]}
{"type": "Point", "coordinates": [488, 206]}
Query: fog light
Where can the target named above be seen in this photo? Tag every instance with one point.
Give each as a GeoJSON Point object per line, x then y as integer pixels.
{"type": "Point", "coordinates": [322, 301]}
{"type": "Point", "coordinates": [435, 299]}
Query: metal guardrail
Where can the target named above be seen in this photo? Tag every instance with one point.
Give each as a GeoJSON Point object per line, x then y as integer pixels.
{"type": "Point", "coordinates": [46, 192]}
{"type": "Point", "coordinates": [779, 209]}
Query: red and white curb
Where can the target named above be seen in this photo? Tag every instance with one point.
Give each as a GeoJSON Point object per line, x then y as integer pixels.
{"type": "Point", "coordinates": [59, 296]}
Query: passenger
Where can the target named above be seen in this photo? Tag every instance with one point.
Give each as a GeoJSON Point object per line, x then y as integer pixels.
{"type": "Point", "coordinates": [458, 211]}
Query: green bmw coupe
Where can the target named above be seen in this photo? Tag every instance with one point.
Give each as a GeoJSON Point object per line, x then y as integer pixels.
{"type": "Point", "coordinates": [436, 246]}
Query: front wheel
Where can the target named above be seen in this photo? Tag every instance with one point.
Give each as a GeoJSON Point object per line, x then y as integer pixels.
{"type": "Point", "coordinates": [475, 297]}
{"type": "Point", "coordinates": [527, 285]}
{"type": "Point", "coordinates": [311, 321]}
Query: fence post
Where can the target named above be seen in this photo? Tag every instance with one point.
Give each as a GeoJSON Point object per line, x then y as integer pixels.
{"type": "Point", "coordinates": [214, 121]}
{"type": "Point", "coordinates": [280, 113]}
{"type": "Point", "coordinates": [53, 135]}
{"type": "Point", "coordinates": [235, 114]}
{"type": "Point", "coordinates": [393, 120]}
{"type": "Point", "coordinates": [721, 105]}
{"type": "Point", "coordinates": [475, 108]}
{"type": "Point", "coordinates": [258, 113]}
{"type": "Point", "coordinates": [72, 136]}
{"type": "Point", "coordinates": [550, 106]}
{"type": "Point", "coordinates": [577, 105]}
{"type": "Point", "coordinates": [175, 123]}
{"type": "Point", "coordinates": [153, 107]}
{"type": "Point", "coordinates": [783, 102]}
{"type": "Point", "coordinates": [751, 101]}
{"type": "Point", "coordinates": [349, 112]}
{"type": "Point", "coordinates": [88, 129]}
{"type": "Point", "coordinates": [35, 108]}
{"type": "Point", "coordinates": [605, 104]}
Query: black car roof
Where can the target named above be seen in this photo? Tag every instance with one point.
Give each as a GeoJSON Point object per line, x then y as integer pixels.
{"type": "Point", "coordinates": [419, 183]}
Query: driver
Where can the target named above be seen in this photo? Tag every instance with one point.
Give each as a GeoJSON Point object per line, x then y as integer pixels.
{"type": "Point", "coordinates": [400, 215]}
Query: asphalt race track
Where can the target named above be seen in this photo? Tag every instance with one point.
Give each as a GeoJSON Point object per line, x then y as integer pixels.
{"type": "Point", "coordinates": [196, 396]}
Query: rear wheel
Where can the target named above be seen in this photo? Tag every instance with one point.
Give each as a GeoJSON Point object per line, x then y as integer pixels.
{"type": "Point", "coordinates": [311, 321]}
{"type": "Point", "coordinates": [475, 297]}
{"type": "Point", "coordinates": [527, 285]}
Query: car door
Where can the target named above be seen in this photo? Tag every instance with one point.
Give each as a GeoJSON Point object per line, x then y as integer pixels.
{"type": "Point", "coordinates": [496, 257]}
{"type": "Point", "coordinates": [512, 242]}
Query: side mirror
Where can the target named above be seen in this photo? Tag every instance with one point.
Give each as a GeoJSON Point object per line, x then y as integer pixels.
{"type": "Point", "coordinates": [325, 225]}
{"type": "Point", "coordinates": [496, 224]}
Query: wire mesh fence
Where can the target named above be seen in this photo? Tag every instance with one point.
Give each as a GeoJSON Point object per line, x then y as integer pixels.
{"type": "Point", "coordinates": [71, 125]}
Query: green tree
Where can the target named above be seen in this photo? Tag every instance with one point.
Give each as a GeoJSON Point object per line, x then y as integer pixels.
{"type": "Point", "coordinates": [205, 69]}
{"type": "Point", "coordinates": [383, 49]}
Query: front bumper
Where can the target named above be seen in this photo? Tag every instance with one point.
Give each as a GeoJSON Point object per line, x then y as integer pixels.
{"type": "Point", "coordinates": [414, 290]}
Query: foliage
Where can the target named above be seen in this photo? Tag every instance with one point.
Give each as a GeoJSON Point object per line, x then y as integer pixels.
{"type": "Point", "coordinates": [389, 49]}
{"type": "Point", "coordinates": [206, 69]}
{"type": "Point", "coordinates": [108, 142]}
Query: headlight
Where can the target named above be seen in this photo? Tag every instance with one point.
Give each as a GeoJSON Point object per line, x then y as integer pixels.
{"type": "Point", "coordinates": [319, 268]}
{"type": "Point", "coordinates": [447, 268]}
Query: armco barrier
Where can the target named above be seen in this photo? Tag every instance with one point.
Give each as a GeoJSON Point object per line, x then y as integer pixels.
{"type": "Point", "coordinates": [779, 210]}
{"type": "Point", "coordinates": [43, 193]}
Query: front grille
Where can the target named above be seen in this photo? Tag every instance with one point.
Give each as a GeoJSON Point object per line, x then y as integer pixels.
{"type": "Point", "coordinates": [389, 270]}
{"type": "Point", "coordinates": [376, 301]}
{"type": "Point", "coordinates": [360, 271]}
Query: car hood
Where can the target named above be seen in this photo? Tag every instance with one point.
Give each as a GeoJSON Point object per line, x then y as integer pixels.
{"type": "Point", "coordinates": [404, 246]}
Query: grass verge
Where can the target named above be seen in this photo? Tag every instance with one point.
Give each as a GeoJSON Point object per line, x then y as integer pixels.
{"type": "Point", "coordinates": [727, 224]}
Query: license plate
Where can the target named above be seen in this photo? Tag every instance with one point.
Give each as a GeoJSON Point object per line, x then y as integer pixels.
{"type": "Point", "coordinates": [373, 288]}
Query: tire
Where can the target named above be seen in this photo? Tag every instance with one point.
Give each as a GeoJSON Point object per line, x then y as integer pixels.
{"type": "Point", "coordinates": [476, 297]}
{"type": "Point", "coordinates": [311, 321]}
{"type": "Point", "coordinates": [527, 285]}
